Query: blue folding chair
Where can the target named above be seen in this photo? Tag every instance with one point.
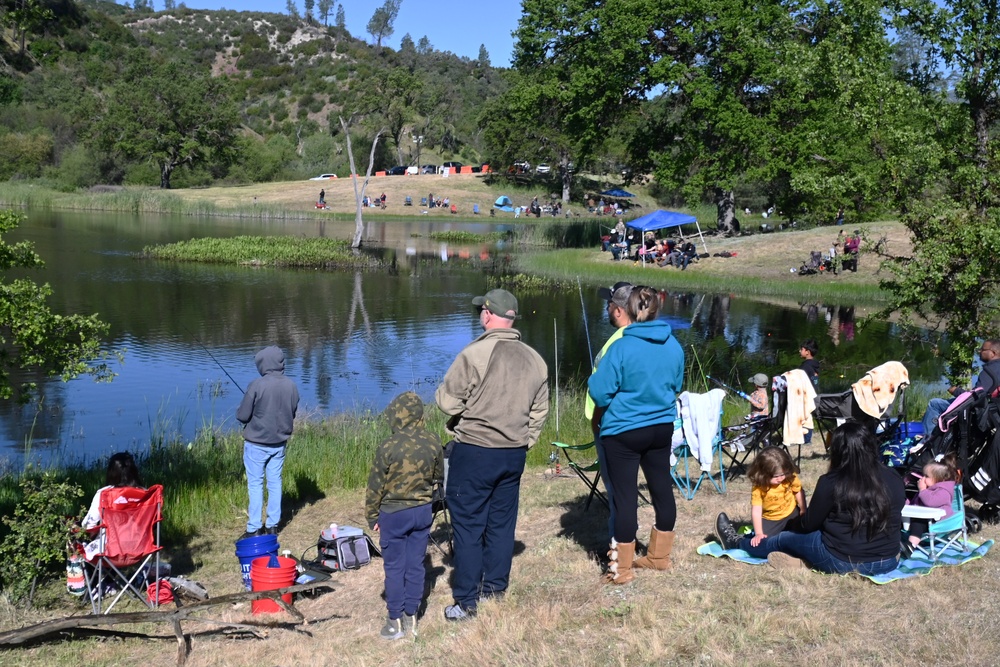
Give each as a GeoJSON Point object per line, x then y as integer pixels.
{"type": "Point", "coordinates": [684, 469]}
{"type": "Point", "coordinates": [941, 532]}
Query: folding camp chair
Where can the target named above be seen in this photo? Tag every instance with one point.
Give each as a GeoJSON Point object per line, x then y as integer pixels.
{"type": "Point", "coordinates": [128, 542]}
{"type": "Point", "coordinates": [408, 201]}
{"type": "Point", "coordinates": [589, 474]}
{"type": "Point", "coordinates": [441, 517]}
{"type": "Point", "coordinates": [743, 441]}
{"type": "Point", "coordinates": [941, 533]}
{"type": "Point", "coordinates": [701, 411]}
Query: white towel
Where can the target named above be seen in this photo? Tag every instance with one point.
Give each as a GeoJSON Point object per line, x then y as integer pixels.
{"type": "Point", "coordinates": [700, 414]}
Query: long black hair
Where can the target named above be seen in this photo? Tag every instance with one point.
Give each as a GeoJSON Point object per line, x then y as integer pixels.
{"type": "Point", "coordinates": [122, 471]}
{"type": "Point", "coordinates": [858, 489]}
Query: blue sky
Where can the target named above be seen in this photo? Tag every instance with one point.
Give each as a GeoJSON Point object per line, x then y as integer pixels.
{"type": "Point", "coordinates": [459, 26]}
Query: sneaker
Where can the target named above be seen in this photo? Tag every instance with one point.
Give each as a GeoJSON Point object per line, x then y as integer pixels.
{"type": "Point", "coordinates": [728, 537]}
{"type": "Point", "coordinates": [270, 530]}
{"type": "Point", "coordinates": [455, 613]}
{"type": "Point", "coordinates": [393, 629]}
{"type": "Point", "coordinates": [410, 624]}
{"type": "Point", "coordinates": [248, 534]}
{"type": "Point", "coordinates": [780, 561]}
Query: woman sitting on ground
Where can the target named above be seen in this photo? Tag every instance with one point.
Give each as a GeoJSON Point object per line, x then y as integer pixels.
{"type": "Point", "coordinates": [854, 520]}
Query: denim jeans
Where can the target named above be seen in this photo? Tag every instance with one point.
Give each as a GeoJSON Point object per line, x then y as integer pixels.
{"type": "Point", "coordinates": [263, 463]}
{"type": "Point", "coordinates": [810, 548]}
{"type": "Point", "coordinates": [484, 486]}
{"type": "Point", "coordinates": [403, 540]}
{"type": "Point", "coordinates": [935, 408]}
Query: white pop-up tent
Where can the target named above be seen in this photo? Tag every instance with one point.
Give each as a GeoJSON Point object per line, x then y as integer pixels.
{"type": "Point", "coordinates": [663, 219]}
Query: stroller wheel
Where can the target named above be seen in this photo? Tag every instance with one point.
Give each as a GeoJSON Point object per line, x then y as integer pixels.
{"type": "Point", "coordinates": [972, 523]}
{"type": "Point", "coordinates": [989, 514]}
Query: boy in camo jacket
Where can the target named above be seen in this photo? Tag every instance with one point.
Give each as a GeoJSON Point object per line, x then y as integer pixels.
{"type": "Point", "coordinates": [398, 506]}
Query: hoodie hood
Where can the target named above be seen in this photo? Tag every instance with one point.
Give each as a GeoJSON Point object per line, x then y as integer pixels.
{"type": "Point", "coordinates": [403, 411]}
{"type": "Point", "coordinates": [270, 360]}
{"type": "Point", "coordinates": [657, 331]}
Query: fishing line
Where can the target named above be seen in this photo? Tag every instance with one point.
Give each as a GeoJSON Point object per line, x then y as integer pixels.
{"type": "Point", "coordinates": [223, 368]}
{"type": "Point", "coordinates": [586, 327]}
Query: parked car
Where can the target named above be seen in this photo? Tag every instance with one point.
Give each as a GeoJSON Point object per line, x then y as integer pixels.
{"type": "Point", "coordinates": [454, 166]}
{"type": "Point", "coordinates": [543, 169]}
{"type": "Point", "coordinates": [323, 177]}
{"type": "Point", "coordinates": [411, 171]}
{"type": "Point", "coordinates": [429, 169]}
{"type": "Point", "coordinates": [396, 171]}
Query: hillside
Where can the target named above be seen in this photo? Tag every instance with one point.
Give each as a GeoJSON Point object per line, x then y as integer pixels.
{"type": "Point", "coordinates": [289, 82]}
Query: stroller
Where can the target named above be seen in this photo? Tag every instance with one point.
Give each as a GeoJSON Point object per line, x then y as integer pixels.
{"type": "Point", "coordinates": [969, 428]}
{"type": "Point", "coordinates": [817, 263]}
{"type": "Point", "coordinates": [877, 400]}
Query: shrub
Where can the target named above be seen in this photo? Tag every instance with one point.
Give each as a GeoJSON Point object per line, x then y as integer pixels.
{"type": "Point", "coordinates": [39, 531]}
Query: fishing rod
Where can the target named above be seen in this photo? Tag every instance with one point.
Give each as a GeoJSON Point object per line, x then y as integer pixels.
{"type": "Point", "coordinates": [726, 386]}
{"type": "Point", "coordinates": [586, 327]}
{"type": "Point", "coordinates": [223, 368]}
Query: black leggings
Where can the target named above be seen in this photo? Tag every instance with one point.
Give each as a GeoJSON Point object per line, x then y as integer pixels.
{"type": "Point", "coordinates": [648, 448]}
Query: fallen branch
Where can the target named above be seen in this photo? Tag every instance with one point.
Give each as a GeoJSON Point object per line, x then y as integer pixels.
{"type": "Point", "coordinates": [174, 617]}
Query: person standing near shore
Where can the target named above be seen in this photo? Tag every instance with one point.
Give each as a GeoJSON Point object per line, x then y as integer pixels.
{"type": "Point", "coordinates": [497, 394]}
{"type": "Point", "coordinates": [267, 412]}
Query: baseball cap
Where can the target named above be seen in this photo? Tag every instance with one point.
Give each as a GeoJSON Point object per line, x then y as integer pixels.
{"type": "Point", "coordinates": [499, 302]}
{"type": "Point", "coordinates": [759, 380]}
{"type": "Point", "coordinates": [618, 294]}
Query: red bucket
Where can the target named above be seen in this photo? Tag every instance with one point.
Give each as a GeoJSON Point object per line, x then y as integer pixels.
{"type": "Point", "coordinates": [264, 578]}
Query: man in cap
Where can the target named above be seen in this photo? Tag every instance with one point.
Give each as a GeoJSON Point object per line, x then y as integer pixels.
{"type": "Point", "coordinates": [497, 394]}
{"type": "Point", "coordinates": [617, 298]}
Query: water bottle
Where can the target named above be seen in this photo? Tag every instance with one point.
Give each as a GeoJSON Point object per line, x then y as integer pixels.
{"type": "Point", "coordinates": [75, 580]}
{"type": "Point", "coordinates": [330, 534]}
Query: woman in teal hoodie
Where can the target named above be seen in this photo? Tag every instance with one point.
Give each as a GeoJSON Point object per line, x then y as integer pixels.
{"type": "Point", "coordinates": [635, 392]}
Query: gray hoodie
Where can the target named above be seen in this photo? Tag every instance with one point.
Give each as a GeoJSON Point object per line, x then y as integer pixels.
{"type": "Point", "coordinates": [268, 408]}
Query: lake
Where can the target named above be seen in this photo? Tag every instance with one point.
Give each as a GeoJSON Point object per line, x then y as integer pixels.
{"type": "Point", "coordinates": [353, 340]}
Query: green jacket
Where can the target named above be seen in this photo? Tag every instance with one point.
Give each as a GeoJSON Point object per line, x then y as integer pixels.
{"type": "Point", "coordinates": [407, 464]}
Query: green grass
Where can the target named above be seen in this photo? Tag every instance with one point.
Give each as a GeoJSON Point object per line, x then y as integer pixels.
{"type": "Point", "coordinates": [566, 265]}
{"type": "Point", "coordinates": [263, 251]}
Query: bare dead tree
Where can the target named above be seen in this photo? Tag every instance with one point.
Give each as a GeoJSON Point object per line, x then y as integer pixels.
{"type": "Point", "coordinates": [359, 195]}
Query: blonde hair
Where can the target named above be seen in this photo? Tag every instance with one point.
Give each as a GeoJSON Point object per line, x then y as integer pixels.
{"type": "Point", "coordinates": [643, 304]}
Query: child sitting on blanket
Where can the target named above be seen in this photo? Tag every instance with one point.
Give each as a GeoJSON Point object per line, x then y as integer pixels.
{"type": "Point", "coordinates": [937, 489]}
{"type": "Point", "coordinates": [777, 501]}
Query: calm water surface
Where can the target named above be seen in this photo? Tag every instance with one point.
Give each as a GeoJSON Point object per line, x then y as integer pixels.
{"type": "Point", "coordinates": [352, 340]}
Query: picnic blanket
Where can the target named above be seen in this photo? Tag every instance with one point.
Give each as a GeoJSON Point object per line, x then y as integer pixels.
{"type": "Point", "coordinates": [916, 565]}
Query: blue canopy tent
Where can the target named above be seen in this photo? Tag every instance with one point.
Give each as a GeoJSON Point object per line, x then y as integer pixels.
{"type": "Point", "coordinates": [617, 192]}
{"type": "Point", "coordinates": [663, 219]}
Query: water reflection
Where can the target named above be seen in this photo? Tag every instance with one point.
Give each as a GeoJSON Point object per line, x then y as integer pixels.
{"type": "Point", "coordinates": [353, 339]}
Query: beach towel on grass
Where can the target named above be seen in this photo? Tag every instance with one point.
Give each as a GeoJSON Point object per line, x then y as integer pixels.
{"type": "Point", "coordinates": [916, 565]}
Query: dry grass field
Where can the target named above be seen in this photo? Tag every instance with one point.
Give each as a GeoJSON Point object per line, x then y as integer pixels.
{"type": "Point", "coordinates": [557, 612]}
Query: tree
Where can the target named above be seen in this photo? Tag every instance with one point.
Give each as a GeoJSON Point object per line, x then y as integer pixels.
{"type": "Point", "coordinates": [380, 26]}
{"type": "Point", "coordinates": [341, 20]}
{"type": "Point", "coordinates": [951, 277]}
{"type": "Point", "coordinates": [309, 6]}
{"type": "Point", "coordinates": [391, 98]}
{"type": "Point", "coordinates": [359, 194]}
{"type": "Point", "coordinates": [166, 113]}
{"type": "Point", "coordinates": [33, 339]}
{"type": "Point", "coordinates": [484, 57]}
{"type": "Point", "coordinates": [26, 16]}
{"type": "Point", "coordinates": [424, 46]}
{"type": "Point", "coordinates": [292, 9]}
{"type": "Point", "coordinates": [169, 4]}
{"type": "Point", "coordinates": [324, 7]}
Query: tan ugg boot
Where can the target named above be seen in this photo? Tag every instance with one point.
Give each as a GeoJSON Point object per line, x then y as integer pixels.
{"type": "Point", "coordinates": [620, 567]}
{"type": "Point", "coordinates": [657, 557]}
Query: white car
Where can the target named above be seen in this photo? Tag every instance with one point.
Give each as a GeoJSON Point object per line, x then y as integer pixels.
{"type": "Point", "coordinates": [411, 171]}
{"type": "Point", "coordinates": [323, 177]}
{"type": "Point", "coordinates": [543, 169]}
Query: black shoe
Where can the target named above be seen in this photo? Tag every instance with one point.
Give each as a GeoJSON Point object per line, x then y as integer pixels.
{"type": "Point", "coordinates": [270, 530]}
{"type": "Point", "coordinates": [249, 534]}
{"type": "Point", "coordinates": [728, 537]}
{"type": "Point", "coordinates": [456, 613]}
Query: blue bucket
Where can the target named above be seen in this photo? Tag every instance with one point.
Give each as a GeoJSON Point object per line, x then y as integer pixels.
{"type": "Point", "coordinates": [254, 547]}
{"type": "Point", "coordinates": [914, 429]}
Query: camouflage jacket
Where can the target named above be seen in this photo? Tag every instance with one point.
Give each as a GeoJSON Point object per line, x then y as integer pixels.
{"type": "Point", "coordinates": [407, 464]}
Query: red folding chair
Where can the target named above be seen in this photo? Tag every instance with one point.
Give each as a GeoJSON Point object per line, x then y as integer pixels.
{"type": "Point", "coordinates": [128, 541]}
